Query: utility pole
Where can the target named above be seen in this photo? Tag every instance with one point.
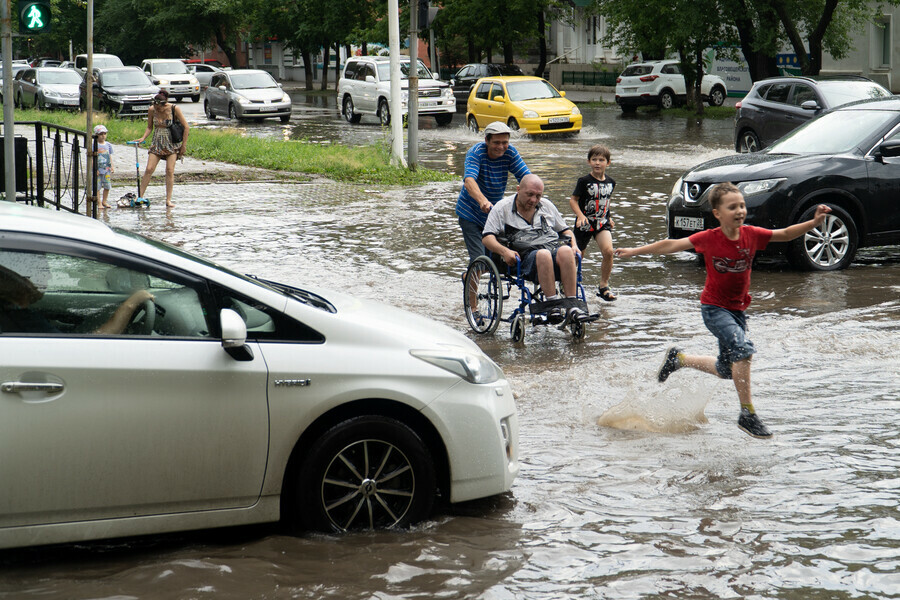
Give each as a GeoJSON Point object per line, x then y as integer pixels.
{"type": "Point", "coordinates": [90, 191]}
{"type": "Point", "coordinates": [396, 109]}
{"type": "Point", "coordinates": [9, 114]}
{"type": "Point", "coordinates": [413, 99]}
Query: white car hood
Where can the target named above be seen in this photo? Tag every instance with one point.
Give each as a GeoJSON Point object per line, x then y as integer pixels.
{"type": "Point", "coordinates": [260, 95]}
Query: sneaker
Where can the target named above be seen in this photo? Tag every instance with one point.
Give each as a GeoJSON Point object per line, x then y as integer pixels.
{"type": "Point", "coordinates": [556, 315]}
{"type": "Point", "coordinates": [671, 364]}
{"type": "Point", "coordinates": [751, 425]}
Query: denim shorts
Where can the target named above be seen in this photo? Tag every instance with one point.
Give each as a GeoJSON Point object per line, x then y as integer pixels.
{"type": "Point", "coordinates": [472, 234]}
{"type": "Point", "coordinates": [730, 328]}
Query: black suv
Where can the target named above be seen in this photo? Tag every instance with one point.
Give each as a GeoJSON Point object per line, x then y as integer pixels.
{"type": "Point", "coordinates": [778, 105]}
{"type": "Point", "coordinates": [466, 77]}
{"type": "Point", "coordinates": [122, 91]}
{"type": "Point", "coordinates": [848, 159]}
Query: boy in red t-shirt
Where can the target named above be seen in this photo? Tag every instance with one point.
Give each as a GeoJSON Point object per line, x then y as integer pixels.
{"type": "Point", "coordinates": [728, 252]}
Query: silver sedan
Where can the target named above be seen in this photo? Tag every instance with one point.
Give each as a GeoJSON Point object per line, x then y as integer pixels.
{"type": "Point", "coordinates": [204, 73]}
{"type": "Point", "coordinates": [246, 94]}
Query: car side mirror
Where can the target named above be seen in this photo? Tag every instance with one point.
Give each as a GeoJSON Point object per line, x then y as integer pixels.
{"type": "Point", "coordinates": [234, 335]}
{"type": "Point", "coordinates": [888, 149]}
{"type": "Point", "coordinates": [370, 79]}
{"type": "Point", "coordinates": [435, 76]}
{"type": "Point", "coordinates": [223, 88]}
{"type": "Point", "coordinates": [810, 105]}
{"type": "Point", "coordinates": [499, 98]}
{"type": "Point", "coordinates": [562, 93]}
{"type": "Point", "coordinates": [279, 84]}
{"type": "Point", "coordinates": [452, 81]}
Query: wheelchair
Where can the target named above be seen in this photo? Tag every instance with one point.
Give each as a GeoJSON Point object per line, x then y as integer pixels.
{"type": "Point", "coordinates": [485, 289]}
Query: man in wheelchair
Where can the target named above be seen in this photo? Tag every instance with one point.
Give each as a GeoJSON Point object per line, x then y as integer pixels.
{"type": "Point", "coordinates": [527, 229]}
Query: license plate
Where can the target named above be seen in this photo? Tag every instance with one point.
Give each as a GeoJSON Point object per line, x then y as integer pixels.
{"type": "Point", "coordinates": [268, 109]}
{"type": "Point", "coordinates": [140, 107]}
{"type": "Point", "coordinates": [689, 223]}
{"type": "Point", "coordinates": [558, 120]}
{"type": "Point", "coordinates": [70, 102]}
{"type": "Point", "coordinates": [630, 90]}
{"type": "Point", "coordinates": [427, 102]}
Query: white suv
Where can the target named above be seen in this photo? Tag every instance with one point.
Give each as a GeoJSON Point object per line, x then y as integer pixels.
{"type": "Point", "coordinates": [662, 83]}
{"type": "Point", "coordinates": [365, 89]}
{"type": "Point", "coordinates": [172, 75]}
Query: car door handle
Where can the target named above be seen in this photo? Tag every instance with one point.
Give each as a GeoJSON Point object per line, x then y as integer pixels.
{"type": "Point", "coordinates": [16, 387]}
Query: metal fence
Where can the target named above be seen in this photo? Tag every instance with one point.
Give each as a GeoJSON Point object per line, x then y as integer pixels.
{"type": "Point", "coordinates": [589, 78]}
{"type": "Point", "coordinates": [51, 162]}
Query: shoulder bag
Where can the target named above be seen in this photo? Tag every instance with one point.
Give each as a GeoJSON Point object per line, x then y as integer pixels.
{"type": "Point", "coordinates": [176, 129]}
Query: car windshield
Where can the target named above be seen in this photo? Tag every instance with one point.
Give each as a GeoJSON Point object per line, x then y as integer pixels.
{"type": "Point", "coordinates": [50, 77]}
{"type": "Point", "coordinates": [509, 70]}
{"type": "Point", "coordinates": [106, 61]}
{"type": "Point", "coordinates": [170, 68]}
{"type": "Point", "coordinates": [126, 78]}
{"type": "Point", "coordinates": [384, 71]}
{"type": "Point", "coordinates": [834, 133]}
{"type": "Point", "coordinates": [637, 70]}
{"type": "Point", "coordinates": [252, 81]}
{"type": "Point", "coordinates": [530, 90]}
{"type": "Point", "coordinates": [842, 92]}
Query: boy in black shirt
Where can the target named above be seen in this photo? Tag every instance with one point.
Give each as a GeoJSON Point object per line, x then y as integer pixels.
{"type": "Point", "coordinates": [590, 203]}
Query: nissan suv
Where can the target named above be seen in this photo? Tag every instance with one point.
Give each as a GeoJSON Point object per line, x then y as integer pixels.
{"type": "Point", "coordinates": [661, 83]}
{"type": "Point", "coordinates": [365, 89]}
{"type": "Point", "coordinates": [172, 75]}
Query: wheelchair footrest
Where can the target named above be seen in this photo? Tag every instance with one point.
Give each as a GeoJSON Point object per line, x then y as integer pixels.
{"type": "Point", "coordinates": [540, 308]}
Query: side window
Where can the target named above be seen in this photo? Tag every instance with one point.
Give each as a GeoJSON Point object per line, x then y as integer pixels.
{"type": "Point", "coordinates": [350, 70]}
{"type": "Point", "coordinates": [265, 323]}
{"type": "Point", "coordinates": [778, 92]}
{"type": "Point", "coordinates": [672, 69]}
{"type": "Point", "coordinates": [497, 90]}
{"type": "Point", "coordinates": [369, 71]}
{"type": "Point", "coordinates": [802, 93]}
{"type": "Point", "coordinates": [483, 92]}
{"type": "Point", "coordinates": [48, 293]}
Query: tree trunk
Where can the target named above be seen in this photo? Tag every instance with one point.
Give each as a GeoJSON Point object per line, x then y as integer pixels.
{"type": "Point", "coordinates": [326, 61]}
{"type": "Point", "coordinates": [470, 44]}
{"type": "Point", "coordinates": [307, 68]}
{"type": "Point", "coordinates": [337, 63]}
{"type": "Point", "coordinates": [697, 88]}
{"type": "Point", "coordinates": [542, 45]}
{"type": "Point", "coordinates": [228, 49]}
{"type": "Point", "coordinates": [759, 62]}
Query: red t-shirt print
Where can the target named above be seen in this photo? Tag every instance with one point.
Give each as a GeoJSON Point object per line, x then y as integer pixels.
{"type": "Point", "coordinates": [728, 264]}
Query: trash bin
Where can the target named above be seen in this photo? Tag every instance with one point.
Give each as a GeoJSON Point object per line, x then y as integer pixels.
{"type": "Point", "coordinates": [21, 153]}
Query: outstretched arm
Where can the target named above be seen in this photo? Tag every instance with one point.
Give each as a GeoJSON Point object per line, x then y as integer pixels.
{"type": "Point", "coordinates": [796, 230]}
{"type": "Point", "coordinates": [667, 246]}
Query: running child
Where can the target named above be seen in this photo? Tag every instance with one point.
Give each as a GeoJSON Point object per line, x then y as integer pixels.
{"type": "Point", "coordinates": [104, 164]}
{"type": "Point", "coordinates": [728, 252]}
{"type": "Point", "coordinates": [590, 203]}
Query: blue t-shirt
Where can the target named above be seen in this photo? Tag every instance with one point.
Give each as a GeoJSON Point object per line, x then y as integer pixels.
{"type": "Point", "coordinates": [104, 157]}
{"type": "Point", "coordinates": [491, 176]}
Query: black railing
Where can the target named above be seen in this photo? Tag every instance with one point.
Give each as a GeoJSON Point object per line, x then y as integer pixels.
{"type": "Point", "coordinates": [56, 159]}
{"type": "Point", "coordinates": [589, 78]}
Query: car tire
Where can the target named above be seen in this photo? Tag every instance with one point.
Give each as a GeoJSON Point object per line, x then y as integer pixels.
{"type": "Point", "coordinates": [443, 119]}
{"type": "Point", "coordinates": [210, 115]}
{"type": "Point", "coordinates": [285, 118]}
{"type": "Point", "coordinates": [716, 96]}
{"type": "Point", "coordinates": [667, 99]}
{"type": "Point", "coordinates": [195, 99]}
{"type": "Point", "coordinates": [472, 124]}
{"type": "Point", "coordinates": [513, 124]}
{"type": "Point", "coordinates": [628, 109]}
{"type": "Point", "coordinates": [384, 113]}
{"type": "Point", "coordinates": [232, 113]}
{"type": "Point", "coordinates": [748, 141]}
{"type": "Point", "coordinates": [344, 473]}
{"type": "Point", "coordinates": [37, 102]}
{"type": "Point", "coordinates": [17, 101]}
{"type": "Point", "coordinates": [349, 114]}
{"type": "Point", "coordinates": [829, 247]}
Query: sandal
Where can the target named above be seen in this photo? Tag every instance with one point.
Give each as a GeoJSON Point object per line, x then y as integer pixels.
{"type": "Point", "coordinates": [606, 294]}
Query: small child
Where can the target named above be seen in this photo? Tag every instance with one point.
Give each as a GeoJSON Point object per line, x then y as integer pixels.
{"type": "Point", "coordinates": [590, 203]}
{"type": "Point", "coordinates": [104, 164]}
{"type": "Point", "coordinates": [728, 252]}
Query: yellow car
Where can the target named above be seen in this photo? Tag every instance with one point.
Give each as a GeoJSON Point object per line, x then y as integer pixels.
{"type": "Point", "coordinates": [528, 103]}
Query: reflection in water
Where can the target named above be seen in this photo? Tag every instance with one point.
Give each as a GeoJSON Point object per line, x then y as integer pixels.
{"type": "Point", "coordinates": [672, 501]}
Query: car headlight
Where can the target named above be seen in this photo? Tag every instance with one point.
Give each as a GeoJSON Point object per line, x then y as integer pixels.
{"type": "Point", "coordinates": [471, 366]}
{"type": "Point", "coordinates": [748, 188]}
{"type": "Point", "coordinates": [529, 114]}
{"type": "Point", "coordinates": [193, 80]}
{"type": "Point", "coordinates": [241, 99]}
{"type": "Point", "coordinates": [676, 189]}
{"type": "Point", "coordinates": [575, 110]}
{"type": "Point", "coordinates": [447, 93]}
{"type": "Point", "coordinates": [163, 81]}
{"type": "Point", "coordinates": [285, 97]}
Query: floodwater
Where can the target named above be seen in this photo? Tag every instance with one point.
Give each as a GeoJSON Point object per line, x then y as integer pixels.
{"type": "Point", "coordinates": [674, 501]}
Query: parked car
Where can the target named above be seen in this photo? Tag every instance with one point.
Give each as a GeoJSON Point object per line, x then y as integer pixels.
{"type": "Point", "coordinates": [172, 75]}
{"type": "Point", "coordinates": [203, 73]}
{"type": "Point", "coordinates": [522, 102]}
{"type": "Point", "coordinates": [464, 79]}
{"type": "Point", "coordinates": [122, 91]}
{"type": "Point", "coordinates": [207, 61]}
{"type": "Point", "coordinates": [365, 89]}
{"type": "Point", "coordinates": [778, 105]}
{"type": "Point", "coordinates": [16, 68]}
{"type": "Point", "coordinates": [67, 64]}
{"type": "Point", "coordinates": [227, 399]}
{"type": "Point", "coordinates": [246, 94]}
{"type": "Point", "coordinates": [661, 83]}
{"type": "Point", "coordinates": [47, 87]}
{"type": "Point", "coordinates": [848, 158]}
{"type": "Point", "coordinates": [99, 61]}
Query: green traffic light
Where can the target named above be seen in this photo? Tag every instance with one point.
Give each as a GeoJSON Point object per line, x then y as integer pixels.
{"type": "Point", "coordinates": [34, 16]}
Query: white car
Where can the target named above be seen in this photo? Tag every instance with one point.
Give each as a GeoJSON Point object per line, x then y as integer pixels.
{"type": "Point", "coordinates": [661, 83]}
{"type": "Point", "coordinates": [203, 73]}
{"type": "Point", "coordinates": [172, 75]}
{"type": "Point", "coordinates": [222, 399]}
{"type": "Point", "coordinates": [365, 89]}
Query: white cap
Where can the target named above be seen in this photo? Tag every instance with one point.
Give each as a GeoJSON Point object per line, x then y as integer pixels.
{"type": "Point", "coordinates": [99, 129]}
{"type": "Point", "coordinates": [496, 127]}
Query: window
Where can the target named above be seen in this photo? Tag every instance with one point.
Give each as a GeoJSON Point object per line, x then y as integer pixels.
{"type": "Point", "coordinates": [265, 323]}
{"type": "Point", "coordinates": [673, 69]}
{"type": "Point", "coordinates": [496, 90]}
{"type": "Point", "coordinates": [50, 293]}
{"type": "Point", "coordinates": [883, 41]}
{"type": "Point", "coordinates": [484, 89]}
{"type": "Point", "coordinates": [778, 92]}
{"type": "Point", "coordinates": [802, 93]}
{"type": "Point", "coordinates": [350, 70]}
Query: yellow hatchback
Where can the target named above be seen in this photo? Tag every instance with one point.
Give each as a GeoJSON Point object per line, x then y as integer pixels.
{"type": "Point", "coordinates": [522, 102]}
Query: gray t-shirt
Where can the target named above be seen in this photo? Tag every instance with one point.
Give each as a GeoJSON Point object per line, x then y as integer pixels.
{"type": "Point", "coordinates": [512, 230]}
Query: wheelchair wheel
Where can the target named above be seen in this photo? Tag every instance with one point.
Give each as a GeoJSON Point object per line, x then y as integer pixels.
{"type": "Point", "coordinates": [578, 330]}
{"type": "Point", "coordinates": [483, 296]}
{"type": "Point", "coordinates": [517, 329]}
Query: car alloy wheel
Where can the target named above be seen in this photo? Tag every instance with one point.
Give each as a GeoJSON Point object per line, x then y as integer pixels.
{"type": "Point", "coordinates": [748, 142]}
{"type": "Point", "coordinates": [368, 472]}
{"type": "Point", "coordinates": [666, 99]}
{"type": "Point", "coordinates": [232, 113]}
{"type": "Point", "coordinates": [717, 97]}
{"type": "Point", "coordinates": [208, 110]}
{"type": "Point", "coordinates": [830, 246]}
{"type": "Point", "coordinates": [349, 114]}
{"type": "Point", "coordinates": [472, 124]}
{"type": "Point", "coordinates": [384, 113]}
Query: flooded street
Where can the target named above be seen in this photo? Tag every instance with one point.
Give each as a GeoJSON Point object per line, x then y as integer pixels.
{"type": "Point", "coordinates": [676, 502]}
